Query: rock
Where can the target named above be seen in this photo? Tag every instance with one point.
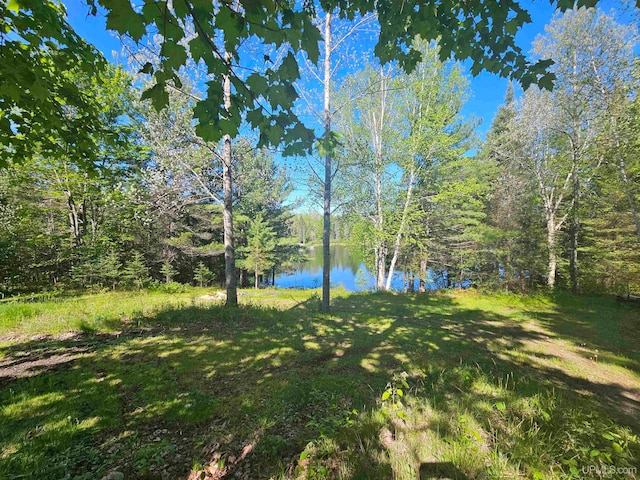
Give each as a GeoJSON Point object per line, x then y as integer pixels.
{"type": "Point", "coordinates": [114, 476]}
{"type": "Point", "coordinates": [218, 296]}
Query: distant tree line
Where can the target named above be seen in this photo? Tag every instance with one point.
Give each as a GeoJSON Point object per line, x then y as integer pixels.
{"type": "Point", "coordinates": [551, 198]}
{"type": "Point", "coordinates": [100, 190]}
{"type": "Point", "coordinates": [147, 212]}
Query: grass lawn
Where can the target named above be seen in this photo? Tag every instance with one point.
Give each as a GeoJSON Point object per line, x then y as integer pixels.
{"type": "Point", "coordinates": [458, 385]}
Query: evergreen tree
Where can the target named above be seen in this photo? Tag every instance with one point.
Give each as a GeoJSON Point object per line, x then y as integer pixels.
{"type": "Point", "coordinates": [202, 275]}
{"type": "Point", "coordinates": [259, 254]}
{"type": "Point", "coordinates": [168, 271]}
{"type": "Point", "coordinates": [136, 272]}
{"type": "Point", "coordinates": [110, 269]}
{"type": "Point", "coordinates": [516, 234]}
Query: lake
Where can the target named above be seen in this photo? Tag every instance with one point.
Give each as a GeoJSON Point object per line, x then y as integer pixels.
{"type": "Point", "coordinates": [347, 270]}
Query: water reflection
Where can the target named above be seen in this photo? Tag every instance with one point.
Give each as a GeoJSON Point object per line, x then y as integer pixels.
{"type": "Point", "coordinates": [347, 270]}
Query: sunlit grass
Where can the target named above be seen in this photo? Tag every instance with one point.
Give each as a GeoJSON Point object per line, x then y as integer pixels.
{"type": "Point", "coordinates": [499, 386]}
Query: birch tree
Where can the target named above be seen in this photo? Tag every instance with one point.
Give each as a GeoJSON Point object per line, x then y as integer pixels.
{"type": "Point", "coordinates": [399, 127]}
{"type": "Point", "coordinates": [336, 37]}
{"type": "Point", "coordinates": [536, 128]}
{"type": "Point", "coordinates": [593, 56]}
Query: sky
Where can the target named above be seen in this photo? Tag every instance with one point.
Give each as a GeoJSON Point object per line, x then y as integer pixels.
{"type": "Point", "coordinates": [487, 90]}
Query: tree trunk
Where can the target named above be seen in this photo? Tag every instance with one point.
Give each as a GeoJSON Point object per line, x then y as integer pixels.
{"type": "Point", "coordinates": [622, 167]}
{"type": "Point", "coordinates": [381, 267]}
{"type": "Point", "coordinates": [227, 183]}
{"type": "Point", "coordinates": [326, 232]}
{"type": "Point", "coordinates": [403, 221]}
{"type": "Point", "coordinates": [256, 283]}
{"type": "Point", "coordinates": [551, 246]}
{"type": "Point", "coordinates": [422, 285]}
{"type": "Point", "coordinates": [74, 221]}
{"type": "Point", "coordinates": [573, 254]}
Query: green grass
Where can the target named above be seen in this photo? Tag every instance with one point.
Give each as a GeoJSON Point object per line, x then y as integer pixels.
{"type": "Point", "coordinates": [158, 385]}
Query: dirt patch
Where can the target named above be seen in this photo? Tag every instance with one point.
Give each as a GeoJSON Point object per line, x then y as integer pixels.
{"type": "Point", "coordinates": [580, 368]}
{"type": "Point", "coordinates": [229, 458]}
{"type": "Point", "coordinates": [12, 368]}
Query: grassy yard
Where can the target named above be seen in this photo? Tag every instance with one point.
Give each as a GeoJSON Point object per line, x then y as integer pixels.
{"type": "Point", "coordinates": [459, 386]}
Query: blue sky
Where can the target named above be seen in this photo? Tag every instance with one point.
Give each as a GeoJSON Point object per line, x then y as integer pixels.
{"type": "Point", "coordinates": [487, 89]}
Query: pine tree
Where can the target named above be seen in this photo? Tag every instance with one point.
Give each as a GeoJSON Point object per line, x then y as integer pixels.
{"type": "Point", "coordinates": [168, 271]}
{"type": "Point", "coordinates": [260, 250]}
{"type": "Point", "coordinates": [202, 275]}
{"type": "Point", "coordinates": [136, 272]}
{"type": "Point", "coordinates": [110, 269]}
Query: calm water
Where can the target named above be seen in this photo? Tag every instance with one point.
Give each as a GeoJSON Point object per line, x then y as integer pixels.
{"type": "Point", "coordinates": [347, 270]}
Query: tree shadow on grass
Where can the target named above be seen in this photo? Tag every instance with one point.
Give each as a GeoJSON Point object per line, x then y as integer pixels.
{"type": "Point", "coordinates": [596, 323]}
{"type": "Point", "coordinates": [242, 392]}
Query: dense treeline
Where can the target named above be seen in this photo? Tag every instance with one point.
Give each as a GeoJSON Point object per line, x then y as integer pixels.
{"type": "Point", "coordinates": [551, 197]}
{"type": "Point", "coordinates": [148, 210]}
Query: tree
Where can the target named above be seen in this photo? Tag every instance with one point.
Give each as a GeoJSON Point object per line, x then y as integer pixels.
{"type": "Point", "coordinates": [432, 134]}
{"type": "Point", "coordinates": [69, 216]}
{"type": "Point", "coordinates": [335, 35]}
{"type": "Point", "coordinates": [186, 179]}
{"type": "Point", "coordinates": [328, 146]}
{"type": "Point", "coordinates": [41, 59]}
{"type": "Point", "coordinates": [110, 269]}
{"type": "Point", "coordinates": [368, 125]}
{"type": "Point", "coordinates": [135, 271]}
{"type": "Point", "coordinates": [482, 31]}
{"type": "Point", "coordinates": [593, 56]}
{"type": "Point", "coordinates": [512, 206]}
{"type": "Point", "coordinates": [400, 127]}
{"type": "Point", "coordinates": [624, 124]}
{"type": "Point", "coordinates": [259, 252]}
{"type": "Point", "coordinates": [168, 271]}
{"type": "Point", "coordinates": [536, 127]}
{"type": "Point", "coordinates": [262, 186]}
{"type": "Point", "coordinates": [202, 275]}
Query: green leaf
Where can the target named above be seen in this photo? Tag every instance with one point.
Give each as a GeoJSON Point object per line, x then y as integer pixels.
{"type": "Point", "coordinates": [13, 6]}
{"type": "Point", "coordinates": [208, 132]}
{"type": "Point", "coordinates": [310, 40]}
{"type": "Point", "coordinates": [257, 84]}
{"type": "Point", "coordinates": [399, 392]}
{"type": "Point", "coordinates": [232, 24]}
{"type": "Point", "coordinates": [175, 55]}
{"type": "Point", "coordinates": [594, 453]}
{"type": "Point", "coordinates": [123, 19]}
{"type": "Point", "coordinates": [158, 96]}
{"type": "Point", "coordinates": [289, 68]}
{"type": "Point", "coordinates": [199, 49]}
{"type": "Point", "coordinates": [180, 8]}
{"type": "Point", "coordinates": [147, 68]}
{"type": "Point", "coordinates": [304, 455]}
{"type": "Point", "coordinates": [501, 406]}
{"type": "Point", "coordinates": [386, 394]}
